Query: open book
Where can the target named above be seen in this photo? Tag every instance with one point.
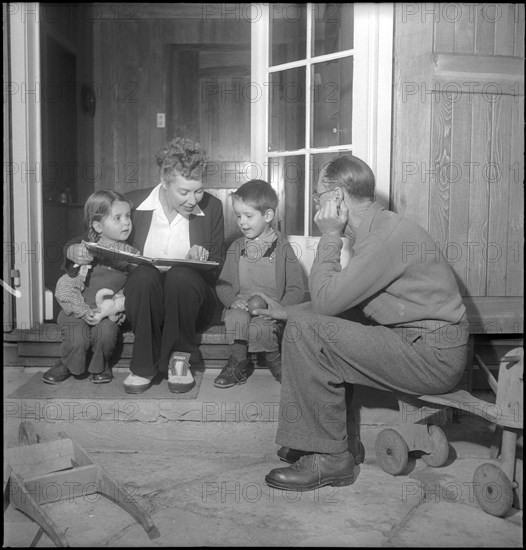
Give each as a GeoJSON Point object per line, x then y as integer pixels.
{"type": "Point", "coordinates": [104, 252]}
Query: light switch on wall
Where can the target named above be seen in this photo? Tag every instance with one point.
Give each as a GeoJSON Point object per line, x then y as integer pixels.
{"type": "Point", "coordinates": [160, 120]}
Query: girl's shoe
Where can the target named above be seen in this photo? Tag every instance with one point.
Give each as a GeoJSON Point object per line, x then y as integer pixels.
{"type": "Point", "coordinates": [102, 377]}
{"type": "Point", "coordinates": [180, 378]}
{"type": "Point", "coordinates": [56, 374]}
{"type": "Point", "coordinates": [136, 384]}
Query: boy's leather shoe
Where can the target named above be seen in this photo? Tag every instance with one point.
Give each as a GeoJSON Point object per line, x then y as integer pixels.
{"type": "Point", "coordinates": [313, 471]}
{"type": "Point", "coordinates": [56, 374]}
{"type": "Point", "coordinates": [356, 448]}
{"type": "Point", "coordinates": [234, 372]}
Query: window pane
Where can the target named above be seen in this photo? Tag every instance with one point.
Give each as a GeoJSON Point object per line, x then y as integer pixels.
{"type": "Point", "coordinates": [288, 33]}
{"type": "Point", "coordinates": [317, 162]}
{"type": "Point", "coordinates": [287, 110]}
{"type": "Point", "coordinates": [333, 28]}
{"type": "Point", "coordinates": [332, 102]}
{"type": "Point", "coordinates": [288, 175]}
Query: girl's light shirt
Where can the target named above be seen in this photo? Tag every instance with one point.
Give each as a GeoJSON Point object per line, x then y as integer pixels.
{"type": "Point", "coordinates": [166, 239]}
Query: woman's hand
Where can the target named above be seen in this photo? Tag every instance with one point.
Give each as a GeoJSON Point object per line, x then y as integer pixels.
{"type": "Point", "coordinates": [332, 217]}
{"type": "Point", "coordinates": [239, 304]}
{"type": "Point", "coordinates": [197, 252]}
{"type": "Point", "coordinates": [274, 311]}
{"type": "Point", "coordinates": [79, 254]}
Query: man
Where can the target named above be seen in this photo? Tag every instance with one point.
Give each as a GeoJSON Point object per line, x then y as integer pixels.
{"type": "Point", "coordinates": [412, 338]}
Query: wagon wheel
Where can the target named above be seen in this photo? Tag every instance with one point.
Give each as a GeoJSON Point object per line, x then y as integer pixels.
{"type": "Point", "coordinates": [440, 448]}
{"type": "Point", "coordinates": [493, 489]}
{"type": "Point", "coordinates": [391, 451]}
{"type": "Point", "coordinates": [27, 435]}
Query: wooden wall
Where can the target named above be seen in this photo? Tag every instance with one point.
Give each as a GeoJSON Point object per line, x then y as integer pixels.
{"type": "Point", "coordinates": [132, 69]}
{"type": "Point", "coordinates": [189, 61]}
{"type": "Point", "coordinates": [458, 145]}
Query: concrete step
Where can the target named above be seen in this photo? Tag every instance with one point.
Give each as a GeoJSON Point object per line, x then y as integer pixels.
{"type": "Point", "coordinates": [256, 401]}
{"type": "Point", "coordinates": [50, 333]}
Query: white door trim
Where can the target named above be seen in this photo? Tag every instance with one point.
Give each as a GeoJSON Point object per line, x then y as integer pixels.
{"type": "Point", "coordinates": [372, 94]}
{"type": "Point", "coordinates": [373, 87]}
{"type": "Point", "coordinates": [26, 172]}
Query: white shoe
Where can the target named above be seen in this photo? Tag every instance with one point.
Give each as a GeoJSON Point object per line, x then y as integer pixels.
{"type": "Point", "coordinates": [136, 384]}
{"type": "Point", "coordinates": [180, 378]}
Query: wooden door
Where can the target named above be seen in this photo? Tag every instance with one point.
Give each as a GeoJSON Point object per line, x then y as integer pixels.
{"type": "Point", "coordinates": [59, 153]}
{"type": "Point", "coordinates": [208, 100]}
{"type": "Point", "coordinates": [458, 146]}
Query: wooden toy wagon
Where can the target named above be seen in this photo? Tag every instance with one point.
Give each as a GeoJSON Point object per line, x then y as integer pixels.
{"type": "Point", "coordinates": [498, 484]}
{"type": "Point", "coordinates": [63, 465]}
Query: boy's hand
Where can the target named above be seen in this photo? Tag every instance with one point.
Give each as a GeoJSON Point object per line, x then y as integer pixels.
{"type": "Point", "coordinates": [79, 254]}
{"type": "Point", "coordinates": [275, 309]}
{"type": "Point", "coordinates": [239, 304]}
{"type": "Point", "coordinates": [197, 252]}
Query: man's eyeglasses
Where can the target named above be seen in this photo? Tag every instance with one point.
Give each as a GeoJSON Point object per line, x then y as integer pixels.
{"type": "Point", "coordinates": [317, 196]}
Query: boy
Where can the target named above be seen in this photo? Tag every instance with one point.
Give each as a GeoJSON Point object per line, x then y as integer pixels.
{"type": "Point", "coordinates": [259, 261]}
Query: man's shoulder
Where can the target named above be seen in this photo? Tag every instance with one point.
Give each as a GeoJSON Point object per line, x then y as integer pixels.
{"type": "Point", "coordinates": [394, 224]}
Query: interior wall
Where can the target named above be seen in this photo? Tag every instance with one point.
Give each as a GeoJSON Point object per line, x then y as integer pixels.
{"type": "Point", "coordinates": [70, 28]}
{"type": "Point", "coordinates": [66, 64]}
{"type": "Point", "coordinates": [132, 73]}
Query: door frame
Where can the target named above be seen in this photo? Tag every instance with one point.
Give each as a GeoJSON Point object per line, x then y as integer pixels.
{"type": "Point", "coordinates": [25, 179]}
{"type": "Point", "coordinates": [24, 176]}
{"type": "Point", "coordinates": [374, 38]}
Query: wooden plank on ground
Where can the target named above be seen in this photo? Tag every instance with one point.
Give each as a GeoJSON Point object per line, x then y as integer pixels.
{"type": "Point", "coordinates": [67, 484]}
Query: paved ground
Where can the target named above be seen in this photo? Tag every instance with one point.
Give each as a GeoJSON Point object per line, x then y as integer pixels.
{"type": "Point", "coordinates": [198, 467]}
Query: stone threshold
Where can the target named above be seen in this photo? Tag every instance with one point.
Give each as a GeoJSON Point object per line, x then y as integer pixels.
{"type": "Point", "coordinates": [256, 401]}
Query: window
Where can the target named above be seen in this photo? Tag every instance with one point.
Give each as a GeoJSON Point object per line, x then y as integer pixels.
{"type": "Point", "coordinates": [324, 76]}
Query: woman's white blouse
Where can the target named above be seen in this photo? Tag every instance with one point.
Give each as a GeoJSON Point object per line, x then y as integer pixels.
{"type": "Point", "coordinates": [166, 239]}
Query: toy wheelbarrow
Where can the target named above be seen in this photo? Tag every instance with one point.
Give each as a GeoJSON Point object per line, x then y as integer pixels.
{"type": "Point", "coordinates": [496, 488]}
{"type": "Point", "coordinates": [32, 468]}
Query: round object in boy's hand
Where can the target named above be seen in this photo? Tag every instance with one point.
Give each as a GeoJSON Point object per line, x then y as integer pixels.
{"type": "Point", "coordinates": [256, 302]}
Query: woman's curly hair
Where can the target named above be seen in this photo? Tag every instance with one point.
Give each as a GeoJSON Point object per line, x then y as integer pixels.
{"type": "Point", "coordinates": [183, 156]}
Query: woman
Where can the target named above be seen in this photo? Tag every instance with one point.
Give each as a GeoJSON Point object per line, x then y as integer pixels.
{"type": "Point", "coordinates": [175, 219]}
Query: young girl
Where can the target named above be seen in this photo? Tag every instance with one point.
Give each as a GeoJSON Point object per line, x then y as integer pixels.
{"type": "Point", "coordinates": [107, 216]}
